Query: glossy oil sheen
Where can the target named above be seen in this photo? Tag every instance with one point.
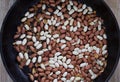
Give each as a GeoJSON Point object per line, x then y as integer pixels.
{"type": "Point", "coordinates": [18, 10]}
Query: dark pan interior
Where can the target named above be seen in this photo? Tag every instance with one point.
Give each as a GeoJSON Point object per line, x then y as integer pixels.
{"type": "Point", "coordinates": [13, 19]}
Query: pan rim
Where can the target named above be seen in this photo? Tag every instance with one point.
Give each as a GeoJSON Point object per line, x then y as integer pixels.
{"type": "Point", "coordinates": [118, 31]}
{"type": "Point", "coordinates": [1, 50]}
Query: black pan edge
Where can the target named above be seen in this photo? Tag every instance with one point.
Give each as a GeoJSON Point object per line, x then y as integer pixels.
{"type": "Point", "coordinates": [1, 32]}
{"type": "Point", "coordinates": [118, 31]}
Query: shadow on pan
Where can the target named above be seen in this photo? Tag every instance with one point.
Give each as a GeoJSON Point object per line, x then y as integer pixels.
{"type": "Point", "coordinates": [12, 20]}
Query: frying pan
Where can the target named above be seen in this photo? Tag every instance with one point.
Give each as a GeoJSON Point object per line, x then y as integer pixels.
{"type": "Point", "coordinates": [12, 20]}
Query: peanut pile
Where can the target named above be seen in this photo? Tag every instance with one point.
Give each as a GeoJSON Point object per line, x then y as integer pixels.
{"type": "Point", "coordinates": [61, 41]}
